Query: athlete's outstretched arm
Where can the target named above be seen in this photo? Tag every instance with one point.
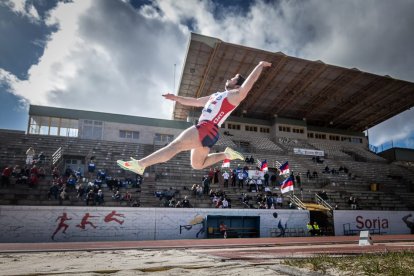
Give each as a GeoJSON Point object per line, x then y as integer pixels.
{"type": "Point", "coordinates": [251, 79]}
{"type": "Point", "coordinates": [199, 102]}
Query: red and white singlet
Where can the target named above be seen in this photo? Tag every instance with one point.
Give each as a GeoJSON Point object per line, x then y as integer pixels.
{"type": "Point", "coordinates": [217, 109]}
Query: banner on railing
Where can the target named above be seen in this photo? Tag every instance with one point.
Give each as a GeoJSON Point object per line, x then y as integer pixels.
{"type": "Point", "coordinates": [308, 152]}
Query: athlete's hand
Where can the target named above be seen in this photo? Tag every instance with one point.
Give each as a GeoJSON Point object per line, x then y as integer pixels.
{"type": "Point", "coordinates": [169, 96]}
{"type": "Point", "coordinates": [265, 64]}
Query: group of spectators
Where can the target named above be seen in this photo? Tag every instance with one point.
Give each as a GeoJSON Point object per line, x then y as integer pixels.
{"type": "Point", "coordinates": [266, 201]}
{"type": "Point", "coordinates": [22, 175]}
{"type": "Point", "coordinates": [90, 187]}
{"type": "Point", "coordinates": [171, 199]}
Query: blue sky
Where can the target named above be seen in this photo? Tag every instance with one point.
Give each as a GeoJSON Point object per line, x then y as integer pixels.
{"type": "Point", "coordinates": [119, 56]}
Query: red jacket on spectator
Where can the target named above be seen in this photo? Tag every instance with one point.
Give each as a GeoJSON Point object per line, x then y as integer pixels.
{"type": "Point", "coordinates": [7, 172]}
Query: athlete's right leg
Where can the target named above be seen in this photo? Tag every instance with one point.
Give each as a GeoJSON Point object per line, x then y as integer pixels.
{"type": "Point", "coordinates": [187, 140]}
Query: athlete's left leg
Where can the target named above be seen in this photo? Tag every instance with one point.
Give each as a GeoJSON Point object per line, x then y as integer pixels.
{"type": "Point", "coordinates": [201, 158]}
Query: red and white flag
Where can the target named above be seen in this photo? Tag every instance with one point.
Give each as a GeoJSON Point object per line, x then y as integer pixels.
{"type": "Point", "coordinates": [226, 163]}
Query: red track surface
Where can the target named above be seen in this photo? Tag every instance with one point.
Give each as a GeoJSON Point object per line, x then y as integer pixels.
{"type": "Point", "coordinates": [258, 249]}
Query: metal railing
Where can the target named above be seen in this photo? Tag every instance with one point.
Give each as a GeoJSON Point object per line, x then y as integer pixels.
{"type": "Point", "coordinates": [322, 202]}
{"type": "Point", "coordinates": [295, 200]}
{"type": "Point", "coordinates": [57, 156]}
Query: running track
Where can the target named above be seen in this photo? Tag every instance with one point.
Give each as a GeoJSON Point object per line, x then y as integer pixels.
{"type": "Point", "coordinates": [253, 249]}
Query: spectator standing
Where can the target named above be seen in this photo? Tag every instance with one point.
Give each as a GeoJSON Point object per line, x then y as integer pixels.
{"type": "Point", "coordinates": [91, 167]}
{"type": "Point", "coordinates": [5, 176]}
{"type": "Point", "coordinates": [206, 185]}
{"type": "Point", "coordinates": [225, 203]}
{"type": "Point", "coordinates": [240, 178]}
{"type": "Point", "coordinates": [223, 229]}
{"type": "Point", "coordinates": [30, 153]}
{"type": "Point", "coordinates": [100, 197]}
{"type": "Point", "coordinates": [298, 180]}
{"type": "Point", "coordinates": [226, 176]}
{"type": "Point", "coordinates": [266, 179]}
{"type": "Point", "coordinates": [279, 201]}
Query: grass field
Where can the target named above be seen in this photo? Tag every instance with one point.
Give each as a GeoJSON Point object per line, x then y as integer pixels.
{"type": "Point", "coordinates": [393, 263]}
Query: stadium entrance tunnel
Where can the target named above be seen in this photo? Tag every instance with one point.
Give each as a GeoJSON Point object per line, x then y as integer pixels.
{"type": "Point", "coordinates": [237, 226]}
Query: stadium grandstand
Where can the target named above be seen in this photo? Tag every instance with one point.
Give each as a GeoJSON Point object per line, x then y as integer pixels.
{"type": "Point", "coordinates": [308, 113]}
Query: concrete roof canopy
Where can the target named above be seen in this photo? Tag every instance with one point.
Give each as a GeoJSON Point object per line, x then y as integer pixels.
{"type": "Point", "coordinates": [324, 95]}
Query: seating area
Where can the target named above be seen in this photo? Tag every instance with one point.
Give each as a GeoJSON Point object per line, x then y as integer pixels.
{"type": "Point", "coordinates": [393, 183]}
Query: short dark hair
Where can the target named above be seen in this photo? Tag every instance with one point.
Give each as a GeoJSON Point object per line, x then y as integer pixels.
{"type": "Point", "coordinates": [240, 80]}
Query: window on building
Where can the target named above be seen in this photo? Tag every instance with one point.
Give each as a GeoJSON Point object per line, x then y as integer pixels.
{"type": "Point", "coordinates": [284, 128]}
{"type": "Point", "coordinates": [164, 138]}
{"type": "Point", "coordinates": [298, 130]}
{"type": "Point", "coordinates": [92, 129]}
{"type": "Point", "coordinates": [334, 137]}
{"type": "Point", "coordinates": [320, 136]}
{"type": "Point", "coordinates": [250, 128]}
{"type": "Point", "coordinates": [310, 134]}
{"type": "Point", "coordinates": [53, 126]}
{"type": "Point", "coordinates": [265, 130]}
{"type": "Point", "coordinates": [127, 134]}
{"type": "Point", "coordinates": [356, 140]}
{"type": "Point", "coordinates": [233, 126]}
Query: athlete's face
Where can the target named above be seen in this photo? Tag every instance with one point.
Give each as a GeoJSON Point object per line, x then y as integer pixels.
{"type": "Point", "coordinates": [231, 83]}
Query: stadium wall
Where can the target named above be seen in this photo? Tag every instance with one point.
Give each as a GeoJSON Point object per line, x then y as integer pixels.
{"type": "Point", "coordinates": [39, 223]}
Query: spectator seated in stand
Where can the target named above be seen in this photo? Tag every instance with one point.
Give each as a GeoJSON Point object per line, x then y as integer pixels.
{"type": "Point", "coordinates": [71, 182]}
{"type": "Point", "coordinates": [117, 196]}
{"type": "Point", "coordinates": [55, 172]}
{"type": "Point", "coordinates": [41, 158]}
{"type": "Point", "coordinates": [186, 203]}
{"type": "Point", "coordinates": [172, 203]}
{"type": "Point", "coordinates": [251, 185]}
{"type": "Point", "coordinates": [90, 197]}
{"type": "Point", "coordinates": [33, 180]}
{"type": "Point", "coordinates": [167, 194]}
{"type": "Point", "coordinates": [219, 203]}
{"type": "Point", "coordinates": [63, 195]}
{"type": "Point", "coordinates": [80, 190]}
{"type": "Point", "coordinates": [101, 175]}
{"type": "Point", "coordinates": [199, 191]}
{"type": "Point", "coordinates": [98, 181]}
{"type": "Point", "coordinates": [352, 201]}
{"type": "Point", "coordinates": [245, 200]}
{"type": "Point", "coordinates": [194, 189]}
{"type": "Point", "coordinates": [317, 159]}
{"type": "Point", "coordinates": [78, 174]}
{"type": "Point", "coordinates": [68, 171]}
{"type": "Point", "coordinates": [53, 191]}
{"type": "Point", "coordinates": [135, 203]}
{"type": "Point", "coordinates": [127, 198]}
{"type": "Point", "coordinates": [100, 197]}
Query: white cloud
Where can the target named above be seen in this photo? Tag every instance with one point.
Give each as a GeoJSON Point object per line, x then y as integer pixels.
{"type": "Point", "coordinates": [396, 130]}
{"type": "Point", "coordinates": [24, 8]}
{"type": "Point", "coordinates": [118, 62]}
{"type": "Point", "coordinates": [108, 57]}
